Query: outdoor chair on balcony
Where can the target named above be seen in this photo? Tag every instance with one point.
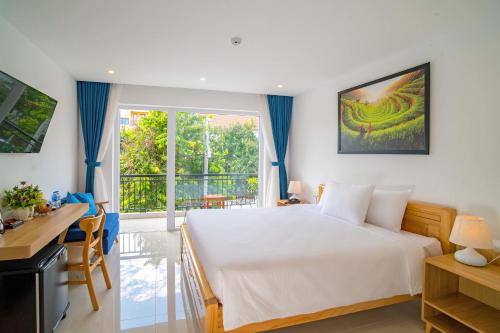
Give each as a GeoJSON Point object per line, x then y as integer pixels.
{"type": "Point", "coordinates": [244, 200]}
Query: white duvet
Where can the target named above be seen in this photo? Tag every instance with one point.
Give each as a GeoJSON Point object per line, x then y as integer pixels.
{"type": "Point", "coordinates": [271, 263]}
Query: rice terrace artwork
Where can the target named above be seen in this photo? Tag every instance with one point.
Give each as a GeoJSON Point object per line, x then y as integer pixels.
{"type": "Point", "coordinates": [386, 116]}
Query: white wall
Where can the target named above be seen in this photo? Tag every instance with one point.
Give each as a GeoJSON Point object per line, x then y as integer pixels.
{"type": "Point", "coordinates": [463, 168]}
{"type": "Point", "coordinates": [55, 167]}
{"type": "Point", "coordinates": [188, 98]}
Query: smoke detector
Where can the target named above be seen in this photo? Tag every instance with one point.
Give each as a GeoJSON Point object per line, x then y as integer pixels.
{"type": "Point", "coordinates": [236, 41]}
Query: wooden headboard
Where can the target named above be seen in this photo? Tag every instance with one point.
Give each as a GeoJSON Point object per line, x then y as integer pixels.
{"type": "Point", "coordinates": [426, 219]}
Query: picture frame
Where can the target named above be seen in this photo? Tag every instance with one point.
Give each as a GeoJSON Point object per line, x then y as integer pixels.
{"type": "Point", "coordinates": [389, 115]}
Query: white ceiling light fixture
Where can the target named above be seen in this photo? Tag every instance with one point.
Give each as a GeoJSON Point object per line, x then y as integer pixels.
{"type": "Point", "coordinates": [203, 79]}
{"type": "Point", "coordinates": [279, 86]}
{"type": "Point", "coordinates": [110, 71]}
{"type": "Point", "coordinates": [236, 41]}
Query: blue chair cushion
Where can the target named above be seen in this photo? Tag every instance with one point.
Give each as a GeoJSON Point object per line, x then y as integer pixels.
{"type": "Point", "coordinates": [111, 230]}
{"type": "Point", "coordinates": [109, 240]}
{"type": "Point", "coordinates": [75, 234]}
{"type": "Point", "coordinates": [83, 198]}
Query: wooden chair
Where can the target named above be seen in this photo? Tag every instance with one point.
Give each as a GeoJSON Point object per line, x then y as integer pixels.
{"type": "Point", "coordinates": [85, 256]}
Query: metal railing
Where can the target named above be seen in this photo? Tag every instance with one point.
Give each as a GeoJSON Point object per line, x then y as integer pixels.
{"type": "Point", "coordinates": [148, 192]}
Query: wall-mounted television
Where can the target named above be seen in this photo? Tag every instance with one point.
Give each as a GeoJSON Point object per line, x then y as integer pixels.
{"type": "Point", "coordinates": [25, 114]}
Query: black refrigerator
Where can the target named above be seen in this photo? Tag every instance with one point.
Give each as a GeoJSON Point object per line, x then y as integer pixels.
{"type": "Point", "coordinates": [34, 291]}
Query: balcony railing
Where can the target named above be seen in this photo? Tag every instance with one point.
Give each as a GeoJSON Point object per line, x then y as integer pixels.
{"type": "Point", "coordinates": [148, 193]}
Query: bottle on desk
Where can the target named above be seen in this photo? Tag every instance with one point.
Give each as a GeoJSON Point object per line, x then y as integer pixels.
{"type": "Point", "coordinates": [56, 199]}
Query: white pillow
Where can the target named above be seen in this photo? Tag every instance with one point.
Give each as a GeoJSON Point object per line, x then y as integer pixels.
{"type": "Point", "coordinates": [387, 208]}
{"type": "Point", "coordinates": [347, 202]}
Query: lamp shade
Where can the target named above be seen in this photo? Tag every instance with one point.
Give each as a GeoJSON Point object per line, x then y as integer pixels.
{"type": "Point", "coordinates": [295, 187]}
{"type": "Point", "coordinates": [471, 231]}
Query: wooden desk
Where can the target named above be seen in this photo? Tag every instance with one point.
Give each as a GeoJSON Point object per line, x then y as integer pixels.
{"type": "Point", "coordinates": [26, 240]}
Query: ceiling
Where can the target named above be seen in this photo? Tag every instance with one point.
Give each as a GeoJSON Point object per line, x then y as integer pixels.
{"type": "Point", "coordinates": [298, 44]}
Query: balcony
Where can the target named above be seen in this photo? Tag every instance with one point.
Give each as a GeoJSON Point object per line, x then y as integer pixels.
{"type": "Point", "coordinates": [148, 192]}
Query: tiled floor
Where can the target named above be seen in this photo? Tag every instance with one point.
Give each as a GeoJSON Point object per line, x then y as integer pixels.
{"type": "Point", "coordinates": [146, 294]}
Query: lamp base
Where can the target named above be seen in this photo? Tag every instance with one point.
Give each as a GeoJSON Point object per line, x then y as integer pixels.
{"type": "Point", "coordinates": [294, 197]}
{"type": "Point", "coordinates": [470, 256]}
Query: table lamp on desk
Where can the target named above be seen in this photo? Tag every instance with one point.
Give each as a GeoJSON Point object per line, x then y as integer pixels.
{"type": "Point", "coordinates": [473, 233]}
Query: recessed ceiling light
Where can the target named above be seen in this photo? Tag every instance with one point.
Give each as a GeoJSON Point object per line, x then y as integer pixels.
{"type": "Point", "coordinates": [202, 79]}
{"type": "Point", "coordinates": [236, 41]}
{"type": "Point", "coordinates": [110, 71]}
{"type": "Point", "coordinates": [280, 86]}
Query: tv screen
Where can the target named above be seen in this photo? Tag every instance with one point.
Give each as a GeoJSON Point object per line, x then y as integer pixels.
{"type": "Point", "coordinates": [25, 114]}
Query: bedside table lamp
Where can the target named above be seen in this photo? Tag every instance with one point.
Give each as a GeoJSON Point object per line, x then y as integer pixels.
{"type": "Point", "coordinates": [295, 188]}
{"type": "Point", "coordinates": [471, 232]}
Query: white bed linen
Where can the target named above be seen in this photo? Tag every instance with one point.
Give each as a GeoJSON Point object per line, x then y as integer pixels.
{"type": "Point", "coordinates": [432, 246]}
{"type": "Point", "coordinates": [271, 263]}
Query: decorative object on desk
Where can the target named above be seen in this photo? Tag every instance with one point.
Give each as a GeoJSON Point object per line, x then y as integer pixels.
{"type": "Point", "coordinates": [21, 200]}
{"type": "Point", "coordinates": [21, 213]}
{"type": "Point", "coordinates": [2, 227]}
{"type": "Point", "coordinates": [386, 116]}
{"type": "Point", "coordinates": [473, 233]}
{"type": "Point", "coordinates": [43, 209]}
{"type": "Point", "coordinates": [295, 188]}
{"type": "Point", "coordinates": [12, 223]}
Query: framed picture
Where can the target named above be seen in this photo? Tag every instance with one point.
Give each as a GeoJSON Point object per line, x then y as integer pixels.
{"type": "Point", "coordinates": [386, 116]}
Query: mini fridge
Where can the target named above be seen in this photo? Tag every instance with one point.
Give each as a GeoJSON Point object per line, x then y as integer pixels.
{"type": "Point", "coordinates": [34, 291]}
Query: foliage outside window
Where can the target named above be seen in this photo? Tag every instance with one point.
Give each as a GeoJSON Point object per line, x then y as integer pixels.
{"type": "Point", "coordinates": [232, 149]}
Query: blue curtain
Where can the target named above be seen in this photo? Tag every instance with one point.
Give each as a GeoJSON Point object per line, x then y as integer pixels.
{"type": "Point", "coordinates": [280, 110]}
{"type": "Point", "coordinates": [93, 102]}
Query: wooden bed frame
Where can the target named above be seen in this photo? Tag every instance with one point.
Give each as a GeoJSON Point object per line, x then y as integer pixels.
{"type": "Point", "coordinates": [420, 218]}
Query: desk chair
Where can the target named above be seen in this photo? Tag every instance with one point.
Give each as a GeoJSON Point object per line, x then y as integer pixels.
{"type": "Point", "coordinates": [86, 255]}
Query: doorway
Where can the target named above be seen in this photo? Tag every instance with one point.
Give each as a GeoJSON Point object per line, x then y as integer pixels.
{"type": "Point", "coordinates": [173, 161]}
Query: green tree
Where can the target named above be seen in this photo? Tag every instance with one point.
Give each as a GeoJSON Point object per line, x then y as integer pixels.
{"type": "Point", "coordinates": [234, 149]}
{"type": "Point", "coordinates": [143, 149]}
{"type": "Point", "coordinates": [189, 143]}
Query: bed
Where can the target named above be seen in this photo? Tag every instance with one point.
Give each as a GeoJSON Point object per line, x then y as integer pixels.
{"type": "Point", "coordinates": [239, 266]}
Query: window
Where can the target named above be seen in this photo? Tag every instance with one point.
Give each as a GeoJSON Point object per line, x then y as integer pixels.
{"type": "Point", "coordinates": [214, 162]}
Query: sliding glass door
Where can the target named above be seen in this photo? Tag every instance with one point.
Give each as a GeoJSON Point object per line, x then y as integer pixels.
{"type": "Point", "coordinates": [216, 162]}
{"type": "Point", "coordinates": [173, 161]}
{"type": "Point", "coordinates": [143, 162]}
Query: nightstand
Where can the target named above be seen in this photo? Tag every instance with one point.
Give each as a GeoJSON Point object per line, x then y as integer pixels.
{"type": "Point", "coordinates": [284, 202]}
{"type": "Point", "coordinates": [460, 298]}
